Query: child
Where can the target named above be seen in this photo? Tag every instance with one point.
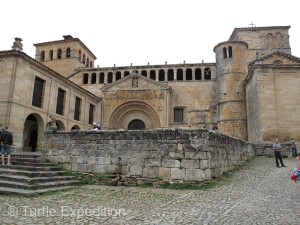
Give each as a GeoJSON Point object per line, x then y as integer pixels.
{"type": "Point", "coordinates": [296, 174]}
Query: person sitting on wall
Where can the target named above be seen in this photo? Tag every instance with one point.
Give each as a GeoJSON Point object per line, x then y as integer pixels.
{"type": "Point", "coordinates": [96, 127]}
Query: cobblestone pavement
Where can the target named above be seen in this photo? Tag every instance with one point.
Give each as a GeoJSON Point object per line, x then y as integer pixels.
{"type": "Point", "coordinates": [260, 193]}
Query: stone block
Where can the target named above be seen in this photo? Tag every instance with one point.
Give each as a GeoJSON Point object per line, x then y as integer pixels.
{"type": "Point", "coordinates": [207, 174]}
{"type": "Point", "coordinates": [194, 175]}
{"type": "Point", "coordinates": [170, 163]}
{"type": "Point", "coordinates": [152, 162]}
{"type": "Point", "coordinates": [177, 174]}
{"type": "Point", "coordinates": [150, 172]}
{"type": "Point", "coordinates": [175, 155]}
{"type": "Point", "coordinates": [204, 164]}
{"type": "Point", "coordinates": [125, 170]}
{"type": "Point", "coordinates": [190, 164]}
{"type": "Point", "coordinates": [114, 169]}
{"type": "Point", "coordinates": [196, 155]}
{"type": "Point", "coordinates": [103, 160]}
{"type": "Point", "coordinates": [164, 173]}
{"type": "Point", "coordinates": [99, 168]}
{"type": "Point", "coordinates": [136, 170]}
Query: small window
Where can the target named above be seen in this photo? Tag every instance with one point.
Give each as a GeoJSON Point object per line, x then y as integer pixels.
{"type": "Point", "coordinates": [93, 78]}
{"type": "Point", "coordinates": [79, 56]}
{"type": "Point", "coordinates": [91, 113]}
{"type": "Point", "coordinates": [207, 74]}
{"type": "Point", "coordinates": [178, 115]}
{"type": "Point", "coordinates": [38, 90]}
{"type": "Point", "coordinates": [83, 59]}
{"type": "Point", "coordinates": [224, 53]}
{"type": "Point", "coordinates": [68, 53]}
{"type": "Point", "coordinates": [198, 74]}
{"type": "Point", "coordinates": [51, 55]}
{"type": "Point", "coordinates": [59, 53]}
{"type": "Point", "coordinates": [101, 78]}
{"type": "Point", "coordinates": [42, 56]}
{"type": "Point", "coordinates": [60, 104]}
{"type": "Point", "coordinates": [85, 78]}
{"type": "Point", "coordinates": [87, 62]}
{"type": "Point", "coordinates": [188, 74]}
{"type": "Point", "coordinates": [77, 108]}
{"type": "Point", "coordinates": [179, 74]}
{"type": "Point", "coordinates": [230, 51]}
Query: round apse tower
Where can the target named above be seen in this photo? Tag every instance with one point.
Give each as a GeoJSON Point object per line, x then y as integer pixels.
{"type": "Point", "coordinates": [231, 65]}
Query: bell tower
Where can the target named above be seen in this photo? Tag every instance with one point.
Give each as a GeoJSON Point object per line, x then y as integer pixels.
{"type": "Point", "coordinates": [65, 56]}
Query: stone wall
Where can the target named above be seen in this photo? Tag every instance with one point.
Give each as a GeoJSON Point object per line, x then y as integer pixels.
{"type": "Point", "coordinates": [183, 155]}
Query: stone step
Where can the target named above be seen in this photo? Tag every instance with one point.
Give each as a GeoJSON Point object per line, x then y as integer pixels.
{"type": "Point", "coordinates": [32, 156]}
{"type": "Point", "coordinates": [32, 180]}
{"type": "Point", "coordinates": [10, 170]}
{"type": "Point", "coordinates": [36, 186]}
{"type": "Point", "coordinates": [28, 160]}
{"type": "Point", "coordinates": [22, 163]}
{"type": "Point", "coordinates": [33, 168]}
{"type": "Point", "coordinates": [6, 190]}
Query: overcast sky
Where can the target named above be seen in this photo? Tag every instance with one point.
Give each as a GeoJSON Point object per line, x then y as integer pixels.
{"type": "Point", "coordinates": [140, 31]}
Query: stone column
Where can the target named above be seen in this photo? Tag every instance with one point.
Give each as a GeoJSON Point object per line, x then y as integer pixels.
{"type": "Point", "coordinates": [148, 74]}
{"type": "Point", "coordinates": [156, 75]}
{"type": "Point", "coordinates": [166, 75]}
{"type": "Point", "coordinates": [193, 73]}
{"type": "Point", "coordinates": [122, 74]}
{"type": "Point", "coordinates": [89, 78]}
{"type": "Point", "coordinates": [175, 74]}
{"type": "Point", "coordinates": [105, 77]}
{"type": "Point", "coordinates": [114, 76]}
{"type": "Point", "coordinates": [97, 78]}
{"type": "Point", "coordinates": [184, 74]}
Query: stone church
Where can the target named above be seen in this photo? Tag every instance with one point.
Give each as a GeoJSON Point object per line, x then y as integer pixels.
{"type": "Point", "coordinates": [251, 92]}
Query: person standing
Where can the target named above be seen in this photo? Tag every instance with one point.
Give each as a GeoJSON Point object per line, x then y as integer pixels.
{"type": "Point", "coordinates": [277, 151]}
{"type": "Point", "coordinates": [294, 148]}
{"type": "Point", "coordinates": [7, 140]}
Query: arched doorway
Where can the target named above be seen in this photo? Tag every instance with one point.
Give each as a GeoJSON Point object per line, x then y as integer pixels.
{"type": "Point", "coordinates": [136, 125]}
{"type": "Point", "coordinates": [126, 113]}
{"type": "Point", "coordinates": [60, 125]}
{"type": "Point", "coordinates": [33, 133]}
{"type": "Point", "coordinates": [75, 127]}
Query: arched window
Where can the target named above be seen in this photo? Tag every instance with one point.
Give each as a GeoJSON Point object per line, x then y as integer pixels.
{"type": "Point", "coordinates": [79, 56]}
{"type": "Point", "coordinates": [224, 53]}
{"type": "Point", "coordinates": [230, 52]}
{"type": "Point", "coordinates": [270, 41]}
{"type": "Point", "coordinates": [42, 57]}
{"type": "Point", "coordinates": [59, 53]}
{"type": "Point", "coordinates": [101, 78]}
{"type": "Point", "coordinates": [118, 75]}
{"type": "Point", "coordinates": [51, 55]}
{"type": "Point", "coordinates": [136, 125]}
{"type": "Point", "coordinates": [91, 64]}
{"type": "Point", "coordinates": [68, 53]}
{"type": "Point", "coordinates": [170, 75]}
{"type": "Point", "coordinates": [85, 78]}
{"type": "Point", "coordinates": [161, 75]}
{"type": "Point", "coordinates": [144, 73]}
{"type": "Point", "coordinates": [207, 74]}
{"type": "Point", "coordinates": [93, 78]}
{"type": "Point", "coordinates": [198, 74]}
{"type": "Point", "coordinates": [179, 74]}
{"type": "Point", "coordinates": [109, 77]}
{"type": "Point", "coordinates": [87, 62]}
{"type": "Point", "coordinates": [188, 74]}
{"type": "Point", "coordinates": [278, 40]}
{"type": "Point", "coordinates": [126, 73]}
{"type": "Point", "coordinates": [83, 59]}
{"type": "Point", "coordinates": [152, 74]}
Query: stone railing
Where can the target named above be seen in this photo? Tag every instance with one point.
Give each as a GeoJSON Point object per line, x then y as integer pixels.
{"type": "Point", "coordinates": [183, 155]}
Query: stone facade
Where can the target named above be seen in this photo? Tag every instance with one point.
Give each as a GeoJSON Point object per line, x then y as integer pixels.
{"type": "Point", "coordinates": [183, 155]}
{"type": "Point", "coordinates": [250, 92]}
{"type": "Point", "coordinates": [18, 111]}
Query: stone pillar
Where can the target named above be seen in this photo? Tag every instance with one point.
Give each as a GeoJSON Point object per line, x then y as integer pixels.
{"type": "Point", "coordinates": [89, 78]}
{"type": "Point", "coordinates": [166, 75]}
{"type": "Point", "coordinates": [114, 76]}
{"type": "Point", "coordinates": [122, 74]}
{"type": "Point", "coordinates": [105, 77]}
{"type": "Point", "coordinates": [184, 74]}
{"type": "Point", "coordinates": [193, 73]}
{"type": "Point", "coordinates": [156, 75]}
{"type": "Point", "coordinates": [148, 74]}
{"type": "Point", "coordinates": [97, 78]}
{"type": "Point", "coordinates": [175, 74]}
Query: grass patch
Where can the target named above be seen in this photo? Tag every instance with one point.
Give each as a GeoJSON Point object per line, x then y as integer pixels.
{"type": "Point", "coordinates": [182, 186]}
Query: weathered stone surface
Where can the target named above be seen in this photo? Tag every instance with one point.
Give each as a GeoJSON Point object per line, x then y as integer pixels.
{"type": "Point", "coordinates": [194, 175]}
{"type": "Point", "coordinates": [170, 163]}
{"type": "Point", "coordinates": [150, 172]}
{"type": "Point", "coordinates": [164, 173]}
{"type": "Point", "coordinates": [177, 174]}
{"type": "Point", "coordinates": [189, 163]}
{"type": "Point", "coordinates": [136, 170]}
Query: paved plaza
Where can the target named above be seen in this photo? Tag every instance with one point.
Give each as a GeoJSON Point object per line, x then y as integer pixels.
{"type": "Point", "coordinates": [259, 193]}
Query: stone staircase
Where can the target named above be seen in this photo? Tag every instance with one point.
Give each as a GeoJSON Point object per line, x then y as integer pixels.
{"type": "Point", "coordinates": [30, 175]}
